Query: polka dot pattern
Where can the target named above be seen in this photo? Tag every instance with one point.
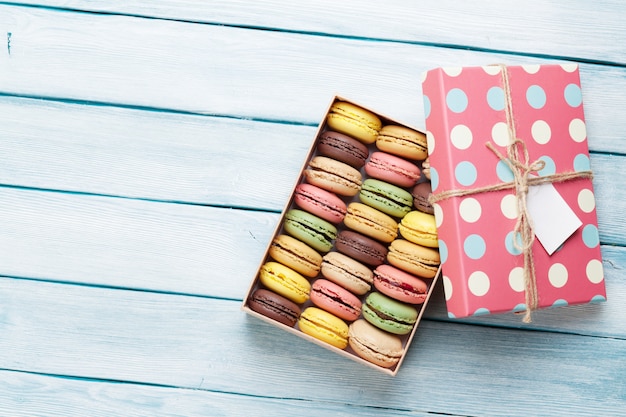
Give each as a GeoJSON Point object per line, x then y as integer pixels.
{"type": "Point", "coordinates": [483, 267]}
{"type": "Point", "coordinates": [465, 173]}
{"type": "Point", "coordinates": [586, 200]}
{"type": "Point", "coordinates": [461, 137]}
{"type": "Point", "coordinates": [577, 130]}
{"type": "Point", "coordinates": [557, 274]}
{"type": "Point", "coordinates": [457, 100]}
{"type": "Point", "coordinates": [478, 283]}
{"type": "Point", "coordinates": [500, 134]}
{"type": "Point", "coordinates": [470, 210]}
{"type": "Point", "coordinates": [536, 97]}
{"type": "Point", "coordinates": [541, 132]}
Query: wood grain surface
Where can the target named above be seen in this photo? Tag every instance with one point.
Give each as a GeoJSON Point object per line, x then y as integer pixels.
{"type": "Point", "coordinates": [147, 149]}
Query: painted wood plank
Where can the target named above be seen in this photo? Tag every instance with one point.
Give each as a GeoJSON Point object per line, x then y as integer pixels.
{"type": "Point", "coordinates": [558, 28]}
{"type": "Point", "coordinates": [207, 344]}
{"type": "Point", "coordinates": [150, 155]}
{"type": "Point", "coordinates": [197, 250]}
{"type": "Point", "coordinates": [242, 72]}
{"type": "Point", "coordinates": [26, 395]}
{"type": "Point", "coordinates": [131, 243]}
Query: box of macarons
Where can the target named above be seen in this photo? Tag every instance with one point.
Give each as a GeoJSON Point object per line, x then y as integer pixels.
{"type": "Point", "coordinates": [354, 258]}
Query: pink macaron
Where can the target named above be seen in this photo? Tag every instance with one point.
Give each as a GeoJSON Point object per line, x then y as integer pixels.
{"type": "Point", "coordinates": [335, 299]}
{"type": "Point", "coordinates": [320, 202]}
{"type": "Point", "coordinates": [393, 169]}
{"type": "Point", "coordinates": [400, 285]}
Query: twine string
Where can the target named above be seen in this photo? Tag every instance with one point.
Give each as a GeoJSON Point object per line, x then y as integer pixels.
{"type": "Point", "coordinates": [517, 159]}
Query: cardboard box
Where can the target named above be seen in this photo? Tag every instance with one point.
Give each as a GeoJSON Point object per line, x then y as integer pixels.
{"type": "Point", "coordinates": [406, 339]}
{"type": "Point", "coordinates": [541, 106]}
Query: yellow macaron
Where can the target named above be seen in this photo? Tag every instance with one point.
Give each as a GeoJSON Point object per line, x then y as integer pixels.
{"type": "Point", "coordinates": [371, 222]}
{"type": "Point", "coordinates": [324, 326]}
{"type": "Point", "coordinates": [420, 228]}
{"type": "Point", "coordinates": [402, 141]}
{"type": "Point", "coordinates": [285, 281]}
{"type": "Point", "coordinates": [354, 121]}
{"type": "Point", "coordinates": [414, 259]}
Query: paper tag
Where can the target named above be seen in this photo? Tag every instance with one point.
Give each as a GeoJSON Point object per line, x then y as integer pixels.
{"type": "Point", "coordinates": [553, 219]}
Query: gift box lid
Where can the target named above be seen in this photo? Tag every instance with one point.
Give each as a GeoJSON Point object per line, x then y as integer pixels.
{"type": "Point", "coordinates": [483, 125]}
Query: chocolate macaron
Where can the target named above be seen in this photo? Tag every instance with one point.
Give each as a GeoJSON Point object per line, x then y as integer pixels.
{"type": "Point", "coordinates": [361, 248]}
{"type": "Point", "coordinates": [342, 148]}
{"type": "Point", "coordinates": [421, 192]}
{"type": "Point", "coordinates": [274, 306]}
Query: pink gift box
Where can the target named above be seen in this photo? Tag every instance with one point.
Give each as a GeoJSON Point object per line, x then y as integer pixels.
{"type": "Point", "coordinates": [482, 267]}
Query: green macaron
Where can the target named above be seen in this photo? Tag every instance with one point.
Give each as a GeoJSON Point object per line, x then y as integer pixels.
{"type": "Point", "coordinates": [388, 314]}
{"type": "Point", "coordinates": [388, 198]}
{"type": "Point", "coordinates": [315, 232]}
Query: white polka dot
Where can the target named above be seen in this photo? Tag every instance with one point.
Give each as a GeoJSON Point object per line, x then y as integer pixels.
{"type": "Point", "coordinates": [500, 134]}
{"type": "Point", "coordinates": [577, 130]}
{"type": "Point", "coordinates": [586, 200]}
{"type": "Point", "coordinates": [541, 132]}
{"type": "Point", "coordinates": [470, 210]}
{"type": "Point", "coordinates": [557, 274]}
{"type": "Point", "coordinates": [492, 69]}
{"type": "Point", "coordinates": [438, 212]}
{"type": "Point", "coordinates": [478, 283]}
{"type": "Point", "coordinates": [424, 76]}
{"type": "Point", "coordinates": [569, 67]}
{"type": "Point", "coordinates": [516, 279]}
{"type": "Point", "coordinates": [531, 69]}
{"type": "Point", "coordinates": [453, 71]}
{"type": "Point", "coordinates": [461, 137]}
{"type": "Point", "coordinates": [447, 287]}
{"type": "Point", "coordinates": [595, 272]}
{"type": "Point", "coordinates": [508, 206]}
{"type": "Point", "coordinates": [430, 142]}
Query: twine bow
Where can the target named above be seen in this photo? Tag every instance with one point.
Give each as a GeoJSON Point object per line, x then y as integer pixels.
{"type": "Point", "coordinates": [517, 159]}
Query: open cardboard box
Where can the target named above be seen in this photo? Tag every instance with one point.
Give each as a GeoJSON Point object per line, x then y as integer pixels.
{"type": "Point", "coordinates": [406, 339]}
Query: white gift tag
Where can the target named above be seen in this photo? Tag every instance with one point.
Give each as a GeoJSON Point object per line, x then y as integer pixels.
{"type": "Point", "coordinates": [553, 219]}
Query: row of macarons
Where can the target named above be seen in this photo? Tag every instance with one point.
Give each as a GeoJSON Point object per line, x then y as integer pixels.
{"type": "Point", "coordinates": [386, 312]}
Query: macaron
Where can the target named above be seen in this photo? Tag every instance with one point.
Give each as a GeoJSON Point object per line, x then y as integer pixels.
{"type": "Point", "coordinates": [374, 345]}
{"type": "Point", "coordinates": [414, 259]}
{"type": "Point", "coordinates": [315, 232]}
{"type": "Point", "coordinates": [335, 299]}
{"type": "Point", "coordinates": [333, 176]}
{"type": "Point", "coordinates": [421, 193]}
{"type": "Point", "coordinates": [324, 326]}
{"type": "Point", "coordinates": [343, 148]}
{"type": "Point", "coordinates": [393, 169]}
{"type": "Point", "coordinates": [274, 306]}
{"type": "Point", "coordinates": [354, 121]}
{"type": "Point", "coordinates": [322, 203]}
{"type": "Point", "coordinates": [426, 167]}
{"type": "Point", "coordinates": [296, 255]}
{"type": "Point", "coordinates": [371, 222]}
{"type": "Point", "coordinates": [399, 285]}
{"type": "Point", "coordinates": [388, 314]}
{"type": "Point", "coordinates": [402, 141]}
{"type": "Point", "coordinates": [285, 281]}
{"type": "Point", "coordinates": [420, 228]}
{"type": "Point", "coordinates": [347, 272]}
{"type": "Point", "coordinates": [361, 248]}
{"type": "Point", "coordinates": [388, 198]}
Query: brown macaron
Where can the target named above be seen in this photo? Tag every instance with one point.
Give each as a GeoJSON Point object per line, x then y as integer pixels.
{"type": "Point", "coordinates": [421, 192]}
{"type": "Point", "coordinates": [274, 306]}
{"type": "Point", "coordinates": [361, 248]}
{"type": "Point", "coordinates": [343, 148]}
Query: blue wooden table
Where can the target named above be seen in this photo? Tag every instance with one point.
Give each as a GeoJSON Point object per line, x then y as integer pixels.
{"type": "Point", "coordinates": [147, 149]}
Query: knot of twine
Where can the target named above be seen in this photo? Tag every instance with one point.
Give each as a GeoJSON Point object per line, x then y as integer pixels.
{"type": "Point", "coordinates": [517, 159]}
